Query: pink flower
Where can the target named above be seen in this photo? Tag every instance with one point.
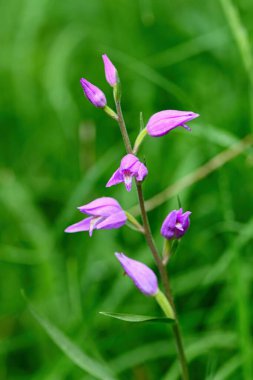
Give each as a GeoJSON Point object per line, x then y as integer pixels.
{"type": "Point", "coordinates": [130, 167]}
{"type": "Point", "coordinates": [176, 224]}
{"type": "Point", "coordinates": [163, 122]}
{"type": "Point", "coordinates": [143, 277]}
{"type": "Point", "coordinates": [106, 214]}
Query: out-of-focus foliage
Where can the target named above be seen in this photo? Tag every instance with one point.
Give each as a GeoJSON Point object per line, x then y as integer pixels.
{"type": "Point", "coordinates": [57, 152]}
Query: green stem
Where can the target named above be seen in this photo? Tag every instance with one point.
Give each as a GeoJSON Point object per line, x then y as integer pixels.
{"type": "Point", "coordinates": [164, 304]}
{"type": "Point", "coordinates": [123, 129]}
{"type": "Point", "coordinates": [152, 247]}
{"type": "Point", "coordinates": [134, 222]}
{"type": "Point", "coordinates": [110, 112]}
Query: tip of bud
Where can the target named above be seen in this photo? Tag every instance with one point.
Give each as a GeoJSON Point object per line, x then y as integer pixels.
{"type": "Point", "coordinates": [111, 73]}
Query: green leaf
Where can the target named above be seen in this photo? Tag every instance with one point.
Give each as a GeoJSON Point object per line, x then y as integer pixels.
{"type": "Point", "coordinates": [72, 351]}
{"type": "Point", "coordinates": [136, 318]}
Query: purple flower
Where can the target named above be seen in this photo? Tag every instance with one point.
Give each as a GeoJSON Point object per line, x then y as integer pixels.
{"type": "Point", "coordinates": [143, 277]}
{"type": "Point", "coordinates": [164, 121]}
{"type": "Point", "coordinates": [111, 73]}
{"type": "Point", "coordinates": [176, 224]}
{"type": "Point", "coordinates": [130, 167]}
{"type": "Point", "coordinates": [93, 94]}
{"type": "Point", "coordinates": [106, 214]}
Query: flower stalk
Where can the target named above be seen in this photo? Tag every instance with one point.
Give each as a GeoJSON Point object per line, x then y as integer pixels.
{"type": "Point", "coordinates": [111, 113]}
{"type": "Point", "coordinates": [164, 304]}
{"type": "Point", "coordinates": [134, 222]}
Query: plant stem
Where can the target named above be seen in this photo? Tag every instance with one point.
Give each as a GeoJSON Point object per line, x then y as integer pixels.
{"type": "Point", "coordinates": [123, 129]}
{"type": "Point", "coordinates": [153, 249]}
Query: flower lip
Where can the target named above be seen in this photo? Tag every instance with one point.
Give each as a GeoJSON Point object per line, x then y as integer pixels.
{"type": "Point", "coordinates": [93, 93]}
{"type": "Point", "coordinates": [142, 276]}
{"type": "Point", "coordinates": [175, 224]}
{"type": "Point", "coordinates": [164, 121]}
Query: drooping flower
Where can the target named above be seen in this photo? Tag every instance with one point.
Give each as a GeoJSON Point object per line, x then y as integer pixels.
{"type": "Point", "coordinates": [111, 73]}
{"type": "Point", "coordinates": [176, 224]}
{"type": "Point", "coordinates": [164, 121]}
{"type": "Point", "coordinates": [106, 213]}
{"type": "Point", "coordinates": [93, 93]}
{"type": "Point", "coordinates": [143, 277]}
{"type": "Point", "coordinates": [130, 167]}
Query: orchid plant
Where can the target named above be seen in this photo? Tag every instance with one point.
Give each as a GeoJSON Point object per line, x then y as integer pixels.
{"type": "Point", "coordinates": [106, 212]}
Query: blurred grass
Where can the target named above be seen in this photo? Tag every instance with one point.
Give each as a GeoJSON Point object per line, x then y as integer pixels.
{"type": "Point", "coordinates": [57, 152]}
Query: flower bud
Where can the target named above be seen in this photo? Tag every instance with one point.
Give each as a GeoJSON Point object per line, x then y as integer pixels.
{"type": "Point", "coordinates": [176, 224]}
{"type": "Point", "coordinates": [143, 277]}
{"type": "Point", "coordinates": [93, 94]}
{"type": "Point", "coordinates": [111, 73]}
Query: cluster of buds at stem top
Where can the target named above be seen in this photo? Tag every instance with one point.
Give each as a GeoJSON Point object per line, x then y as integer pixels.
{"type": "Point", "coordinates": [105, 214]}
{"type": "Point", "coordinates": [95, 95]}
{"type": "Point", "coordinates": [176, 224]}
{"type": "Point", "coordinates": [130, 167]}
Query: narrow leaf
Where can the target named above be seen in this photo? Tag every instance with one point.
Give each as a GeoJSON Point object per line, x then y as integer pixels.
{"type": "Point", "coordinates": [136, 318]}
{"type": "Point", "coordinates": [72, 351]}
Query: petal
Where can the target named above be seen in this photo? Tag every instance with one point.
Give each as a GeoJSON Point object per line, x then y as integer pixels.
{"type": "Point", "coordinates": [168, 233]}
{"type": "Point", "coordinates": [104, 206]}
{"type": "Point", "coordinates": [162, 127]}
{"type": "Point", "coordinates": [83, 225]}
{"type": "Point", "coordinates": [171, 219]}
{"type": "Point", "coordinates": [142, 172]}
{"type": "Point", "coordinates": [110, 71]}
{"type": "Point", "coordinates": [128, 161]}
{"type": "Point", "coordinates": [164, 121]}
{"type": "Point", "coordinates": [93, 224]}
{"type": "Point", "coordinates": [168, 226]}
{"type": "Point", "coordinates": [116, 178]}
{"type": "Point", "coordinates": [185, 220]}
{"type": "Point", "coordinates": [93, 93]}
{"type": "Point", "coordinates": [142, 276]}
{"type": "Point", "coordinates": [169, 114]}
{"type": "Point", "coordinates": [116, 220]}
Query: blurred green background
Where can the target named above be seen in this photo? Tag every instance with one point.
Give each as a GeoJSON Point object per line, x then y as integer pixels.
{"type": "Point", "coordinates": [57, 152]}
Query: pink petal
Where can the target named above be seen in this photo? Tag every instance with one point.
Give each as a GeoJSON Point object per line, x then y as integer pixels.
{"type": "Point", "coordinates": [83, 225]}
{"type": "Point", "coordinates": [142, 276]}
{"type": "Point", "coordinates": [104, 206]}
{"type": "Point", "coordinates": [113, 221]}
{"type": "Point", "coordinates": [116, 178]}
